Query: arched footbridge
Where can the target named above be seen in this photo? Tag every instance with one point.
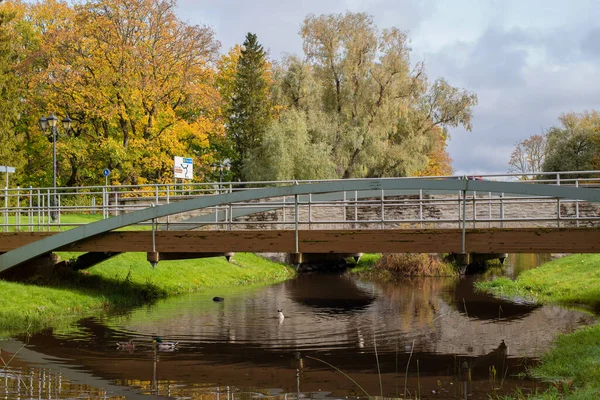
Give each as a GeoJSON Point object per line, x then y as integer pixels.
{"type": "Point", "coordinates": [442, 215]}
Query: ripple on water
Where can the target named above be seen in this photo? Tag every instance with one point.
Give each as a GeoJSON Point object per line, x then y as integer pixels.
{"type": "Point", "coordinates": [241, 343]}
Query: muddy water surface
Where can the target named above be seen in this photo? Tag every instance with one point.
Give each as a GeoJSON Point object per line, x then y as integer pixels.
{"type": "Point", "coordinates": [341, 337]}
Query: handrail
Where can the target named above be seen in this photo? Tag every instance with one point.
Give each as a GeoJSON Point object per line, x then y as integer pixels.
{"type": "Point", "coordinates": [384, 187]}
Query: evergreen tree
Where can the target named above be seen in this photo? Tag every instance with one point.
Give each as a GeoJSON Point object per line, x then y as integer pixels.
{"type": "Point", "coordinates": [249, 113]}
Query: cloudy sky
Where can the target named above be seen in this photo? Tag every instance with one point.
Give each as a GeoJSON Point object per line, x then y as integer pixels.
{"type": "Point", "coordinates": [527, 60]}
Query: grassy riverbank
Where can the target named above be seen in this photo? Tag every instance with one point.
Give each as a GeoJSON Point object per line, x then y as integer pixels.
{"type": "Point", "coordinates": [570, 281]}
{"type": "Point", "coordinates": [124, 281]}
{"type": "Point", "coordinates": [572, 365]}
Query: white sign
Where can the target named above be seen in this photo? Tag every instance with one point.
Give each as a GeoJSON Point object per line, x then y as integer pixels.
{"type": "Point", "coordinates": [184, 168]}
{"type": "Point", "coordinates": [4, 168]}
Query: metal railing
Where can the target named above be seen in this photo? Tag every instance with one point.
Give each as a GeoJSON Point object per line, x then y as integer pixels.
{"type": "Point", "coordinates": [42, 209]}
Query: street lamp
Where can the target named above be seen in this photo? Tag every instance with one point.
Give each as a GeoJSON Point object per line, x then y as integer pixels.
{"type": "Point", "coordinates": [51, 121]}
{"type": "Point", "coordinates": [221, 166]}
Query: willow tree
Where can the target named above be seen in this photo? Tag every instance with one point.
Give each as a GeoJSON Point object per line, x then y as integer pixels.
{"type": "Point", "coordinates": [382, 116]}
{"type": "Point", "coordinates": [574, 145]}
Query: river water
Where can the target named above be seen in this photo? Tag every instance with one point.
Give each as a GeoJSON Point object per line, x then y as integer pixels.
{"type": "Point", "coordinates": [341, 337]}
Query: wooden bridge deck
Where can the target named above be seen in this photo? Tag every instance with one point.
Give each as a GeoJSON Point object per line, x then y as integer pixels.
{"type": "Point", "coordinates": [494, 240]}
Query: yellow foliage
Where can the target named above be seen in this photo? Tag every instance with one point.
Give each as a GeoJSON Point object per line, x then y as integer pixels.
{"type": "Point", "coordinates": [132, 71]}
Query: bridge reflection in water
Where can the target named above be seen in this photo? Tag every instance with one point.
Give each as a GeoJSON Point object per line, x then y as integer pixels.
{"type": "Point", "coordinates": [240, 345]}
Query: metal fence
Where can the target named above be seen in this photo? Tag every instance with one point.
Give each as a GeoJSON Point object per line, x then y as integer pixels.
{"type": "Point", "coordinates": [49, 209]}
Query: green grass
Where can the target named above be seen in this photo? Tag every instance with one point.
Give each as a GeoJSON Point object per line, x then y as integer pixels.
{"type": "Point", "coordinates": [33, 307]}
{"type": "Point", "coordinates": [184, 276]}
{"type": "Point", "coordinates": [44, 221]}
{"type": "Point", "coordinates": [571, 281]}
{"type": "Point", "coordinates": [67, 221]}
{"type": "Point", "coordinates": [573, 364]}
{"type": "Point", "coordinates": [366, 263]}
{"type": "Point", "coordinates": [123, 282]}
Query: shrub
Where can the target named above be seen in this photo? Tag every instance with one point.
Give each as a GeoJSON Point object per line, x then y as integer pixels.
{"type": "Point", "coordinates": [416, 264]}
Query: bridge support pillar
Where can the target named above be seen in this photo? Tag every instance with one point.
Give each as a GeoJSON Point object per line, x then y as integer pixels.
{"type": "Point", "coordinates": [463, 261]}
{"type": "Point", "coordinates": [153, 258]}
{"type": "Point", "coordinates": [295, 258]}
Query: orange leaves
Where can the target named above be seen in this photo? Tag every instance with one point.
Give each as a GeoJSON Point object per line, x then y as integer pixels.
{"type": "Point", "coordinates": [439, 161]}
{"type": "Point", "coordinates": [130, 71]}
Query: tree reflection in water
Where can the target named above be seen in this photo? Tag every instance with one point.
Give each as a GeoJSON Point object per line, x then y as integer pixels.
{"type": "Point", "coordinates": [239, 349]}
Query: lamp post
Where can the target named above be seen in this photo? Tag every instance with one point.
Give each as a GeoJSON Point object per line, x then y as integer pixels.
{"type": "Point", "coordinates": [221, 166]}
{"type": "Point", "coordinates": [51, 121]}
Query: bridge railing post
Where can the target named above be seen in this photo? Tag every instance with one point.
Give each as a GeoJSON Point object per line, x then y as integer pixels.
{"type": "Point", "coordinates": [355, 209]}
{"type": "Point", "coordinates": [283, 211]}
{"type": "Point", "coordinates": [230, 210]}
{"type": "Point", "coordinates": [489, 209]}
{"type": "Point", "coordinates": [558, 202]}
{"type": "Point", "coordinates": [459, 207]}
{"type": "Point", "coordinates": [49, 208]}
{"type": "Point", "coordinates": [474, 209]}
{"type": "Point", "coordinates": [558, 212]}
{"type": "Point", "coordinates": [421, 208]}
{"type": "Point", "coordinates": [310, 209]}
{"type": "Point", "coordinates": [168, 202]}
{"type": "Point", "coordinates": [577, 206]}
{"type": "Point", "coordinates": [116, 213]}
{"type": "Point", "coordinates": [43, 212]}
{"type": "Point", "coordinates": [104, 202]}
{"type": "Point", "coordinates": [297, 213]}
{"type": "Point", "coordinates": [464, 221]}
{"type": "Point", "coordinates": [39, 210]}
{"type": "Point", "coordinates": [501, 210]}
{"type": "Point", "coordinates": [18, 211]}
{"type": "Point", "coordinates": [6, 208]}
{"type": "Point", "coordinates": [30, 210]}
{"type": "Point", "coordinates": [382, 209]}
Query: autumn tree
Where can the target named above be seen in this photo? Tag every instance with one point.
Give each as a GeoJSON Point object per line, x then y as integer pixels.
{"type": "Point", "coordinates": [249, 113]}
{"type": "Point", "coordinates": [574, 145]}
{"type": "Point", "coordinates": [356, 95]}
{"type": "Point", "coordinates": [439, 162]}
{"type": "Point", "coordinates": [528, 156]}
{"type": "Point", "coordinates": [139, 83]}
{"type": "Point", "coordinates": [221, 147]}
{"type": "Point", "coordinates": [13, 43]}
{"type": "Point", "coordinates": [385, 110]}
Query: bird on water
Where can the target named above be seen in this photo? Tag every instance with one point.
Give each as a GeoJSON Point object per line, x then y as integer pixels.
{"type": "Point", "coordinates": [161, 345]}
{"type": "Point", "coordinates": [130, 345]}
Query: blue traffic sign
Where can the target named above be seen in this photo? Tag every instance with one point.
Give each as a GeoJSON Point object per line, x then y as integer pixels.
{"type": "Point", "coordinates": [106, 172]}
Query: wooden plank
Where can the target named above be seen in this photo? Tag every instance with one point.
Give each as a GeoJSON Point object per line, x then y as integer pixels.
{"type": "Point", "coordinates": [12, 240]}
{"type": "Point", "coordinates": [496, 240]}
{"type": "Point", "coordinates": [189, 241]}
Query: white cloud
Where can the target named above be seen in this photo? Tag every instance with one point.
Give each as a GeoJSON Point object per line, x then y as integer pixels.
{"type": "Point", "coordinates": [528, 61]}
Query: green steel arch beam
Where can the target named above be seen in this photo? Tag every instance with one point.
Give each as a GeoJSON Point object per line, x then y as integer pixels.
{"type": "Point", "coordinates": [30, 251]}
